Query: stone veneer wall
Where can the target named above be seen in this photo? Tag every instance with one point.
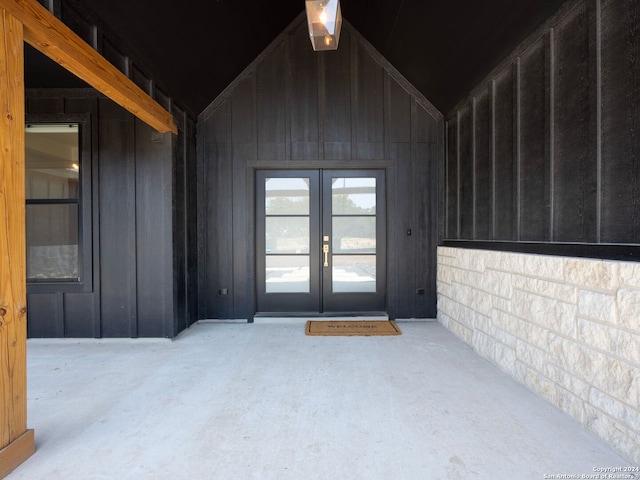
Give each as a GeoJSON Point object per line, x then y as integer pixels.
{"type": "Point", "coordinates": [567, 328]}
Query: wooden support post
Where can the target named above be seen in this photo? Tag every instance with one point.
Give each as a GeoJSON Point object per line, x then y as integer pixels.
{"type": "Point", "coordinates": [16, 442]}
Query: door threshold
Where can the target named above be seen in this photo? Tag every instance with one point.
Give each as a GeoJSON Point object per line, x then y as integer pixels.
{"type": "Point", "coordinates": [301, 318]}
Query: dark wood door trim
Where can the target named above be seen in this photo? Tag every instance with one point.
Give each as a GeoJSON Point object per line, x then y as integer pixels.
{"type": "Point", "coordinates": [320, 300]}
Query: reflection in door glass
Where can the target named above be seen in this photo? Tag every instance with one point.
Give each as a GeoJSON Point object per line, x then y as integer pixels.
{"type": "Point", "coordinates": [354, 273]}
{"type": "Point", "coordinates": [354, 234]}
{"type": "Point", "coordinates": [353, 196]}
{"type": "Point", "coordinates": [287, 274]}
{"type": "Point", "coordinates": [353, 224]}
{"type": "Point", "coordinates": [286, 196]}
{"type": "Point", "coordinates": [287, 235]}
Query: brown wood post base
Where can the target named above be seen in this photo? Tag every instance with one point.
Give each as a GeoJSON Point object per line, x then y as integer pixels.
{"type": "Point", "coordinates": [16, 452]}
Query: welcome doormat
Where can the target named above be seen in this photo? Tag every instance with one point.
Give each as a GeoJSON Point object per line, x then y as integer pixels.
{"type": "Point", "coordinates": [341, 328]}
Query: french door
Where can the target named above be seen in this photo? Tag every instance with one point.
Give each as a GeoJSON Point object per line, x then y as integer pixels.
{"type": "Point", "coordinates": [320, 241]}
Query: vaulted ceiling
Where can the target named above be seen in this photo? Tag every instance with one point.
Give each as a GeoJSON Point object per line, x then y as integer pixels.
{"type": "Point", "coordinates": [195, 48]}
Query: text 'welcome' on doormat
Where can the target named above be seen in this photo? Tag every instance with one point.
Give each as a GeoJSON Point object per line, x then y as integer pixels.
{"type": "Point", "coordinates": [341, 328]}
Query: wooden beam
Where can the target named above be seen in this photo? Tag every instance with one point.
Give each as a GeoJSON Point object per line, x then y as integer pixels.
{"type": "Point", "coordinates": [53, 38]}
{"type": "Point", "coordinates": [15, 441]}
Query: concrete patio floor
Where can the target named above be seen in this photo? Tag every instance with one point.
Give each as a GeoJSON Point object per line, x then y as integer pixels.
{"type": "Point", "coordinates": [263, 401]}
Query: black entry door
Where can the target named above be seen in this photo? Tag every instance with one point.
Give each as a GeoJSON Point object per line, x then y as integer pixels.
{"type": "Point", "coordinates": [321, 241]}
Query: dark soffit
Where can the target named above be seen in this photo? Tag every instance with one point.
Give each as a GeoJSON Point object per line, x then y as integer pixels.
{"type": "Point", "coordinates": [196, 48]}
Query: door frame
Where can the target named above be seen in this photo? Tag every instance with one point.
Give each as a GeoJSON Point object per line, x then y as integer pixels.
{"type": "Point", "coordinates": [340, 301]}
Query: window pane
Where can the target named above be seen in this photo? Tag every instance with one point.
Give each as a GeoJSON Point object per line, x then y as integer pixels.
{"type": "Point", "coordinates": [353, 196]}
{"type": "Point", "coordinates": [354, 235]}
{"type": "Point", "coordinates": [286, 196]}
{"type": "Point", "coordinates": [52, 161]}
{"type": "Point", "coordinates": [354, 273]}
{"type": "Point", "coordinates": [52, 241]}
{"type": "Point", "coordinates": [287, 274]}
{"type": "Point", "coordinates": [287, 234]}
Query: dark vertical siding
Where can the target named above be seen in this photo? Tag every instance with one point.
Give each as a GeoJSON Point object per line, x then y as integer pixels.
{"type": "Point", "coordinates": [451, 207]}
{"type": "Point", "coordinates": [45, 316]}
{"type": "Point", "coordinates": [342, 109]}
{"type": "Point", "coordinates": [114, 55]}
{"type": "Point", "coordinates": [153, 222]}
{"type": "Point", "coordinates": [79, 310]}
{"type": "Point", "coordinates": [426, 144]}
{"type": "Point", "coordinates": [466, 170]}
{"type": "Point", "coordinates": [369, 99]}
{"type": "Point", "coordinates": [398, 123]}
{"type": "Point", "coordinates": [217, 216]}
{"type": "Point", "coordinates": [117, 221]}
{"type": "Point", "coordinates": [401, 267]}
{"type": "Point", "coordinates": [336, 101]}
{"type": "Point", "coordinates": [620, 26]}
{"type": "Point", "coordinates": [77, 22]}
{"type": "Point", "coordinates": [182, 181]}
{"type": "Point", "coordinates": [191, 221]}
{"type": "Point", "coordinates": [483, 167]}
{"type": "Point", "coordinates": [271, 113]}
{"type": "Point", "coordinates": [140, 79]}
{"type": "Point", "coordinates": [564, 133]}
{"type": "Point", "coordinates": [179, 245]}
{"type": "Point", "coordinates": [136, 289]}
{"type": "Point", "coordinates": [303, 71]}
{"type": "Point", "coordinates": [45, 105]}
{"type": "Point", "coordinates": [242, 116]}
{"type": "Point", "coordinates": [244, 149]}
{"type": "Point", "coordinates": [143, 198]}
{"type": "Point", "coordinates": [398, 108]}
{"type": "Point", "coordinates": [574, 182]}
{"type": "Point", "coordinates": [505, 174]}
{"type": "Point", "coordinates": [535, 206]}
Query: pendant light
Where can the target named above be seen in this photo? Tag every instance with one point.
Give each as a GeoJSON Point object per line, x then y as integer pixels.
{"type": "Point", "coordinates": [324, 19]}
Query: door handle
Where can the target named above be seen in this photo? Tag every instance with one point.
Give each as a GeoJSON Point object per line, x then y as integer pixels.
{"type": "Point", "coordinates": [325, 250]}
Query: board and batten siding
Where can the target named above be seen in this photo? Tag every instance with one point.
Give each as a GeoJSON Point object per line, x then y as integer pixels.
{"type": "Point", "coordinates": [142, 277]}
{"type": "Point", "coordinates": [294, 108]}
{"type": "Point", "coordinates": [546, 148]}
{"type": "Point", "coordinates": [543, 158]}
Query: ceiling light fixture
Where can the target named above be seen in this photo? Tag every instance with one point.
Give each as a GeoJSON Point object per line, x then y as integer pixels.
{"type": "Point", "coordinates": [324, 19]}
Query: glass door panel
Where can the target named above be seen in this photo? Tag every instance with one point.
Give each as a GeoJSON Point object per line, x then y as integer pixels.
{"type": "Point", "coordinates": [354, 235]}
{"type": "Point", "coordinates": [353, 226]}
{"type": "Point", "coordinates": [287, 274]}
{"type": "Point", "coordinates": [286, 196]}
{"type": "Point", "coordinates": [354, 273]}
{"type": "Point", "coordinates": [287, 235]}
